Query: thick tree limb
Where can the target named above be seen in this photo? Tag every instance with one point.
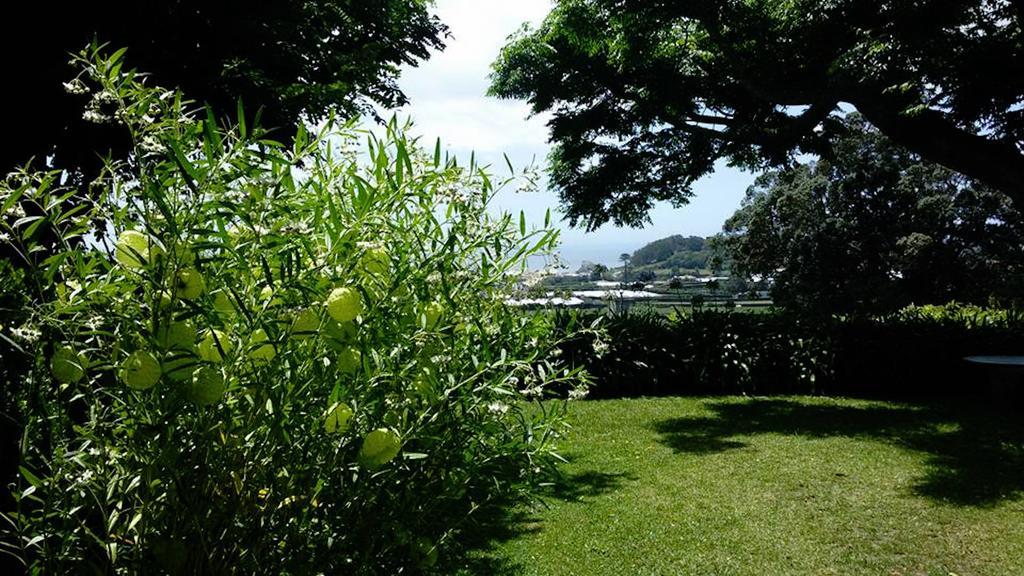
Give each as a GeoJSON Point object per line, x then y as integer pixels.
{"type": "Point", "coordinates": [997, 163]}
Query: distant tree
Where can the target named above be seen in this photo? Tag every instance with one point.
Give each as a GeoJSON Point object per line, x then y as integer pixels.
{"type": "Point", "coordinates": [737, 287]}
{"type": "Point", "coordinates": [668, 248]}
{"type": "Point", "coordinates": [598, 271]}
{"type": "Point", "coordinates": [675, 283]}
{"type": "Point", "coordinates": [646, 276]}
{"type": "Point", "coordinates": [646, 96]}
{"type": "Point", "coordinates": [625, 258]}
{"type": "Point", "coordinates": [292, 60]}
{"type": "Point", "coordinates": [874, 229]}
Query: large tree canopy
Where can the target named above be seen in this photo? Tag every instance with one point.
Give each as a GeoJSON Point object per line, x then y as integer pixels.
{"type": "Point", "coordinates": [646, 95]}
{"type": "Point", "coordinates": [288, 58]}
{"type": "Point", "coordinates": [874, 229]}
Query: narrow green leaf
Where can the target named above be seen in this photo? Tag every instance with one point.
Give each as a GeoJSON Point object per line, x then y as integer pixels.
{"type": "Point", "coordinates": [32, 478]}
{"type": "Point", "coordinates": [240, 113]}
{"type": "Point", "coordinates": [117, 55]}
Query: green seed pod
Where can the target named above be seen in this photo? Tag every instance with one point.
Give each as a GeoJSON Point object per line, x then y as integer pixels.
{"type": "Point", "coordinates": [179, 365]}
{"type": "Point", "coordinates": [375, 262]}
{"type": "Point", "coordinates": [429, 315]}
{"type": "Point", "coordinates": [134, 250]}
{"type": "Point", "coordinates": [206, 386]}
{"type": "Point", "coordinates": [338, 419]}
{"type": "Point", "coordinates": [179, 335]}
{"type": "Point", "coordinates": [223, 305]}
{"type": "Point", "coordinates": [67, 365]}
{"type": "Point", "coordinates": [268, 298]}
{"type": "Point", "coordinates": [344, 304]}
{"type": "Point", "coordinates": [189, 284]}
{"type": "Point", "coordinates": [379, 447]}
{"type": "Point", "coordinates": [306, 324]}
{"type": "Point", "coordinates": [260, 350]}
{"type": "Point", "coordinates": [349, 360]}
{"type": "Point", "coordinates": [141, 370]}
{"type": "Point", "coordinates": [214, 345]}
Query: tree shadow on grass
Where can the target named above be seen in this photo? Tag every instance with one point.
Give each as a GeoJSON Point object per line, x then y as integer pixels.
{"type": "Point", "coordinates": [975, 451]}
{"type": "Point", "coordinates": [498, 524]}
{"type": "Point", "coordinates": [577, 486]}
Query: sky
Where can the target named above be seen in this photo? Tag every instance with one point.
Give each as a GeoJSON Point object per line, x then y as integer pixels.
{"type": "Point", "coordinates": [448, 101]}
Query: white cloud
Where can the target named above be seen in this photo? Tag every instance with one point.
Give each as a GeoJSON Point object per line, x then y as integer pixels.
{"type": "Point", "coordinates": [484, 125]}
{"type": "Point", "coordinates": [448, 101]}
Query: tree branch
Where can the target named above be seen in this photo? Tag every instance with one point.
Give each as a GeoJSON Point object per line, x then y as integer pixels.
{"type": "Point", "coordinates": [710, 119]}
{"type": "Point", "coordinates": [994, 162]}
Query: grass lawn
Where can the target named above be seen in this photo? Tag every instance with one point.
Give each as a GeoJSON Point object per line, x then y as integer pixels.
{"type": "Point", "coordinates": [734, 486]}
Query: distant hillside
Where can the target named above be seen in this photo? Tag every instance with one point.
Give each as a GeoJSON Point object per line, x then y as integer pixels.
{"type": "Point", "coordinates": [675, 251]}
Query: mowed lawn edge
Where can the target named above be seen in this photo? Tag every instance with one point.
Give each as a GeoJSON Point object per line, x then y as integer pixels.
{"type": "Point", "coordinates": [782, 485]}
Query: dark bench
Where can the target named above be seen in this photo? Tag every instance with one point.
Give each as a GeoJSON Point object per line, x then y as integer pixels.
{"type": "Point", "coordinates": [1005, 373]}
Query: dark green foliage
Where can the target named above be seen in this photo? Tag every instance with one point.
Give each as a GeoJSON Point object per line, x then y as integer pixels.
{"type": "Point", "coordinates": [915, 353]}
{"type": "Point", "coordinates": [673, 252]}
{"type": "Point", "coordinates": [13, 302]}
{"type": "Point", "coordinates": [287, 59]}
{"type": "Point", "coordinates": [645, 276]}
{"type": "Point", "coordinates": [874, 229]}
{"type": "Point", "coordinates": [308, 405]}
{"type": "Point", "coordinates": [646, 96]}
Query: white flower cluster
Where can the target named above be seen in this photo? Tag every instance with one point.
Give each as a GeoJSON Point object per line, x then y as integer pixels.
{"type": "Point", "coordinates": [93, 112]}
{"type": "Point", "coordinates": [27, 334]}
{"type": "Point", "coordinates": [15, 211]}
{"type": "Point", "coordinates": [533, 392]}
{"type": "Point", "coordinates": [95, 116]}
{"type": "Point", "coordinates": [151, 145]}
{"type": "Point", "coordinates": [578, 393]}
{"type": "Point", "coordinates": [76, 86]}
{"type": "Point", "coordinates": [300, 228]}
{"type": "Point", "coordinates": [497, 407]}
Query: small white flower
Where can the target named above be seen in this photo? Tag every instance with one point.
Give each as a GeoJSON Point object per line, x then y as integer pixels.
{"type": "Point", "coordinates": [497, 407]}
{"type": "Point", "coordinates": [16, 211]}
{"type": "Point", "coordinates": [533, 392]}
{"type": "Point", "coordinates": [105, 97]}
{"type": "Point", "coordinates": [27, 334]}
{"type": "Point", "coordinates": [578, 393]}
{"type": "Point", "coordinates": [95, 116]}
{"type": "Point", "coordinates": [76, 86]}
{"type": "Point", "coordinates": [151, 145]}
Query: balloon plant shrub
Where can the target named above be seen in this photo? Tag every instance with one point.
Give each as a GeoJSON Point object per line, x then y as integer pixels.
{"type": "Point", "coordinates": [247, 357]}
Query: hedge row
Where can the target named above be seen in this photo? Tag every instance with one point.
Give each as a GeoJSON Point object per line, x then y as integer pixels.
{"type": "Point", "coordinates": [917, 352]}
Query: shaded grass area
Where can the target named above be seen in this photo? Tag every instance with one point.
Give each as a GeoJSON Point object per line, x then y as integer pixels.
{"type": "Point", "coordinates": [792, 485]}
